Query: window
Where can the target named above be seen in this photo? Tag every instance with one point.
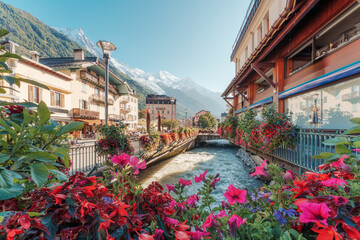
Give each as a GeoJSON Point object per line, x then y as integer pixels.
{"type": "Point", "coordinates": [34, 94]}
{"type": "Point", "coordinates": [97, 91]}
{"type": "Point", "coordinates": [300, 59]}
{"type": "Point", "coordinates": [246, 53]}
{"type": "Point", "coordinates": [57, 99]}
{"type": "Point", "coordinates": [84, 104]}
{"type": "Point", "coordinates": [83, 89]}
{"type": "Point", "coordinates": [260, 30]}
{"type": "Point", "coordinates": [98, 107]}
{"type": "Point", "coordinates": [354, 107]}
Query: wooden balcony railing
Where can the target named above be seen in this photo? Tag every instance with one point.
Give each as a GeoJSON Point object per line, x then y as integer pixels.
{"type": "Point", "coordinates": [84, 113]}
{"type": "Point", "coordinates": [115, 117]}
{"type": "Point", "coordinates": [351, 96]}
{"type": "Point", "coordinates": [95, 80]}
{"type": "Point", "coordinates": [97, 98]}
{"type": "Point", "coordinates": [124, 100]}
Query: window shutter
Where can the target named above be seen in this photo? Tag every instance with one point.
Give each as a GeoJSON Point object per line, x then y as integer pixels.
{"type": "Point", "coordinates": [52, 98]}
{"type": "Point", "coordinates": [31, 93]}
{"type": "Point", "coordinates": [40, 94]}
{"type": "Point", "coordinates": [62, 100]}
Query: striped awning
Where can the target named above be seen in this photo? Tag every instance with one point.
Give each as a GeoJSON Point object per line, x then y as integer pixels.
{"type": "Point", "coordinates": [255, 105]}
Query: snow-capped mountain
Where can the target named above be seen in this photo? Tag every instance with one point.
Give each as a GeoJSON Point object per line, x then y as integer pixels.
{"type": "Point", "coordinates": [188, 93]}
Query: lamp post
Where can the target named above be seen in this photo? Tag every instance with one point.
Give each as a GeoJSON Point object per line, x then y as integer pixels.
{"type": "Point", "coordinates": [185, 116]}
{"type": "Point", "coordinates": [107, 48]}
{"type": "Point", "coordinates": [172, 100]}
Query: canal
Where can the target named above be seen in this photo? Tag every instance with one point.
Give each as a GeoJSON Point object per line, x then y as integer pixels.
{"type": "Point", "coordinates": [218, 156]}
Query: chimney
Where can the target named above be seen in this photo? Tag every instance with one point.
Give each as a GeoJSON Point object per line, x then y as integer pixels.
{"type": "Point", "coordinates": [10, 46]}
{"type": "Point", "coordinates": [79, 54]}
{"type": "Point", "coordinates": [35, 56]}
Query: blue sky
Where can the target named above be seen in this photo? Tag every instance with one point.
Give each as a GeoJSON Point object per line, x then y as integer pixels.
{"type": "Point", "coordinates": [188, 38]}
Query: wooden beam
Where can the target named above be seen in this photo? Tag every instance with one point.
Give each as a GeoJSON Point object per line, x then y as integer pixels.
{"type": "Point", "coordinates": [264, 64]}
{"type": "Point", "coordinates": [243, 95]}
{"type": "Point", "coordinates": [228, 102]}
{"type": "Point", "coordinates": [262, 74]}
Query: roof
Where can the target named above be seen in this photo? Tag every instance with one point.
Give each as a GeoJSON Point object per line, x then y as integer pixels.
{"type": "Point", "coordinates": [68, 62]}
{"type": "Point", "coordinates": [202, 111]}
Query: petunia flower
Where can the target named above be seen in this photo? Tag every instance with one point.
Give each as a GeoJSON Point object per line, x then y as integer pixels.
{"type": "Point", "coordinates": [198, 234]}
{"type": "Point", "coordinates": [333, 182]}
{"type": "Point", "coordinates": [235, 195]}
{"type": "Point", "coordinates": [134, 162]}
{"type": "Point", "coordinates": [122, 159]}
{"type": "Point", "coordinates": [191, 201]}
{"type": "Point", "coordinates": [201, 177]}
{"type": "Point", "coordinates": [314, 212]}
{"type": "Point", "coordinates": [340, 200]}
{"type": "Point", "coordinates": [214, 180]}
{"type": "Point", "coordinates": [171, 221]}
{"type": "Point", "coordinates": [234, 223]}
{"type": "Point", "coordinates": [210, 222]}
{"type": "Point", "coordinates": [221, 214]}
{"type": "Point", "coordinates": [184, 182]}
{"type": "Point", "coordinates": [158, 234]}
{"type": "Point", "coordinates": [170, 187]}
{"type": "Point", "coordinates": [260, 170]}
{"type": "Point", "coordinates": [289, 175]}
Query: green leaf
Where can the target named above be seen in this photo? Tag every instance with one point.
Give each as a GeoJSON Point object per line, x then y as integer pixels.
{"type": "Point", "coordinates": [337, 140]}
{"type": "Point", "coordinates": [10, 55]}
{"type": "Point", "coordinates": [356, 144]}
{"type": "Point", "coordinates": [64, 154]}
{"type": "Point", "coordinates": [355, 121]}
{"type": "Point", "coordinates": [3, 32]}
{"type": "Point", "coordinates": [34, 83]}
{"type": "Point", "coordinates": [323, 155]}
{"type": "Point", "coordinates": [6, 179]}
{"type": "Point", "coordinates": [24, 104]}
{"type": "Point", "coordinates": [16, 175]}
{"type": "Point", "coordinates": [47, 129]}
{"type": "Point", "coordinates": [2, 90]}
{"type": "Point", "coordinates": [27, 118]}
{"type": "Point", "coordinates": [71, 127]}
{"type": "Point", "coordinates": [42, 156]}
{"type": "Point", "coordinates": [11, 80]}
{"type": "Point", "coordinates": [34, 214]}
{"type": "Point", "coordinates": [39, 173]}
{"type": "Point", "coordinates": [352, 130]}
{"type": "Point", "coordinates": [60, 175]}
{"type": "Point", "coordinates": [342, 149]}
{"type": "Point", "coordinates": [14, 191]}
{"type": "Point", "coordinates": [3, 64]}
{"type": "Point", "coordinates": [8, 129]}
{"type": "Point", "coordinates": [4, 157]}
{"type": "Point", "coordinates": [43, 112]}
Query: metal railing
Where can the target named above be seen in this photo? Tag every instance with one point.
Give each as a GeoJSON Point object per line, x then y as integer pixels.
{"type": "Point", "coordinates": [310, 143]}
{"type": "Point", "coordinates": [84, 157]}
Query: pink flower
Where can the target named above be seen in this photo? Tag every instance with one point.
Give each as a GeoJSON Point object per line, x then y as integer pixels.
{"type": "Point", "coordinates": [201, 177]}
{"type": "Point", "coordinates": [210, 221]}
{"type": "Point", "coordinates": [184, 182]}
{"type": "Point", "coordinates": [235, 195]}
{"type": "Point", "coordinates": [260, 170]}
{"type": "Point", "coordinates": [333, 182]}
{"type": "Point", "coordinates": [198, 235]}
{"type": "Point", "coordinates": [172, 204]}
{"type": "Point", "coordinates": [170, 187]}
{"type": "Point", "coordinates": [234, 223]}
{"type": "Point", "coordinates": [192, 200]}
{"type": "Point", "coordinates": [357, 150]}
{"type": "Point", "coordinates": [314, 212]}
{"type": "Point", "coordinates": [214, 180]}
{"type": "Point", "coordinates": [158, 234]}
{"type": "Point", "coordinates": [289, 175]}
{"type": "Point", "coordinates": [340, 163]}
{"type": "Point", "coordinates": [134, 162]}
{"type": "Point", "coordinates": [172, 221]}
{"type": "Point", "coordinates": [122, 159]}
{"type": "Point", "coordinates": [340, 200]}
{"type": "Point", "coordinates": [221, 214]}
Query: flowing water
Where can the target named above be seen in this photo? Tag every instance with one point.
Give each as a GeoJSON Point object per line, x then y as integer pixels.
{"type": "Point", "coordinates": [218, 156]}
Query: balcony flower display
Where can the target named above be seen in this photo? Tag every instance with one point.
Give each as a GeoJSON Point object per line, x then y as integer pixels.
{"type": "Point", "coordinates": [165, 139]}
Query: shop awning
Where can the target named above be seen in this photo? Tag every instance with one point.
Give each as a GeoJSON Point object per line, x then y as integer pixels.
{"type": "Point", "coordinates": [340, 73]}
{"type": "Point", "coordinates": [90, 121]}
{"type": "Point", "coordinates": [257, 104]}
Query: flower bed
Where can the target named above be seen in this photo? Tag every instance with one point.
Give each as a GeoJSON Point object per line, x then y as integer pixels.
{"type": "Point", "coordinates": [273, 131]}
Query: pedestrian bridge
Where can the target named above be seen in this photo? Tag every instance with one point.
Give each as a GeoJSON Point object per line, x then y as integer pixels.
{"type": "Point", "coordinates": [206, 137]}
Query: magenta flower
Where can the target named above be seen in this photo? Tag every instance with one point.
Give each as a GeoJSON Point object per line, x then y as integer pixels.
{"type": "Point", "coordinates": [357, 150]}
{"type": "Point", "coordinates": [289, 175]}
{"type": "Point", "coordinates": [314, 212]}
{"type": "Point", "coordinates": [234, 223]}
{"type": "Point", "coordinates": [172, 221]}
{"type": "Point", "coordinates": [333, 182]}
{"type": "Point", "coordinates": [184, 182]}
{"type": "Point", "coordinates": [158, 234]}
{"type": "Point", "coordinates": [214, 180]}
{"type": "Point", "coordinates": [134, 162]}
{"type": "Point", "coordinates": [201, 177]}
{"type": "Point", "coordinates": [122, 159]}
{"type": "Point", "coordinates": [191, 201]}
{"type": "Point", "coordinates": [221, 214]}
{"type": "Point", "coordinates": [235, 195]}
{"type": "Point", "coordinates": [170, 187]}
{"type": "Point", "coordinates": [260, 170]}
{"type": "Point", "coordinates": [340, 163]}
{"type": "Point", "coordinates": [198, 235]}
{"type": "Point", "coordinates": [210, 221]}
{"type": "Point", "coordinates": [340, 200]}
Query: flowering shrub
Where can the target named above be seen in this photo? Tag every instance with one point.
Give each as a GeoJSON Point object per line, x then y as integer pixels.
{"type": "Point", "coordinates": [146, 142]}
{"type": "Point", "coordinates": [174, 136]}
{"type": "Point", "coordinates": [113, 141]}
{"type": "Point", "coordinates": [165, 139]}
{"type": "Point", "coordinates": [275, 130]}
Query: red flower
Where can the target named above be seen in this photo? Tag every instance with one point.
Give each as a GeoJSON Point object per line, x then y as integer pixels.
{"type": "Point", "coordinates": [235, 195]}
{"type": "Point", "coordinates": [12, 233]}
{"type": "Point", "coordinates": [326, 233]}
{"type": "Point", "coordinates": [59, 198]}
{"type": "Point", "coordinates": [201, 177]}
{"type": "Point", "coordinates": [260, 170]}
{"type": "Point", "coordinates": [184, 182]}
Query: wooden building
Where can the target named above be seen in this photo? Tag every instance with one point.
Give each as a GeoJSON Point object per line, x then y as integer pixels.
{"type": "Point", "coordinates": [303, 55]}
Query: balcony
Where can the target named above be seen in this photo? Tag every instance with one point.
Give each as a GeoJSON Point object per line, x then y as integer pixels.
{"type": "Point", "coordinates": [100, 99]}
{"type": "Point", "coordinates": [115, 117]}
{"type": "Point", "coordinates": [354, 96]}
{"type": "Point", "coordinates": [84, 113]}
{"type": "Point", "coordinates": [95, 80]}
{"type": "Point", "coordinates": [124, 110]}
{"type": "Point", "coordinates": [124, 100]}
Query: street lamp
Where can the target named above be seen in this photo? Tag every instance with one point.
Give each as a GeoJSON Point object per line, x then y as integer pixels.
{"type": "Point", "coordinates": [107, 48]}
{"type": "Point", "coordinates": [172, 100]}
{"type": "Point", "coordinates": [185, 116]}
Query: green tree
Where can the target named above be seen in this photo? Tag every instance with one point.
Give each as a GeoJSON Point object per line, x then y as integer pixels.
{"type": "Point", "coordinates": [142, 113]}
{"type": "Point", "coordinates": [167, 123]}
{"type": "Point", "coordinates": [207, 121]}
